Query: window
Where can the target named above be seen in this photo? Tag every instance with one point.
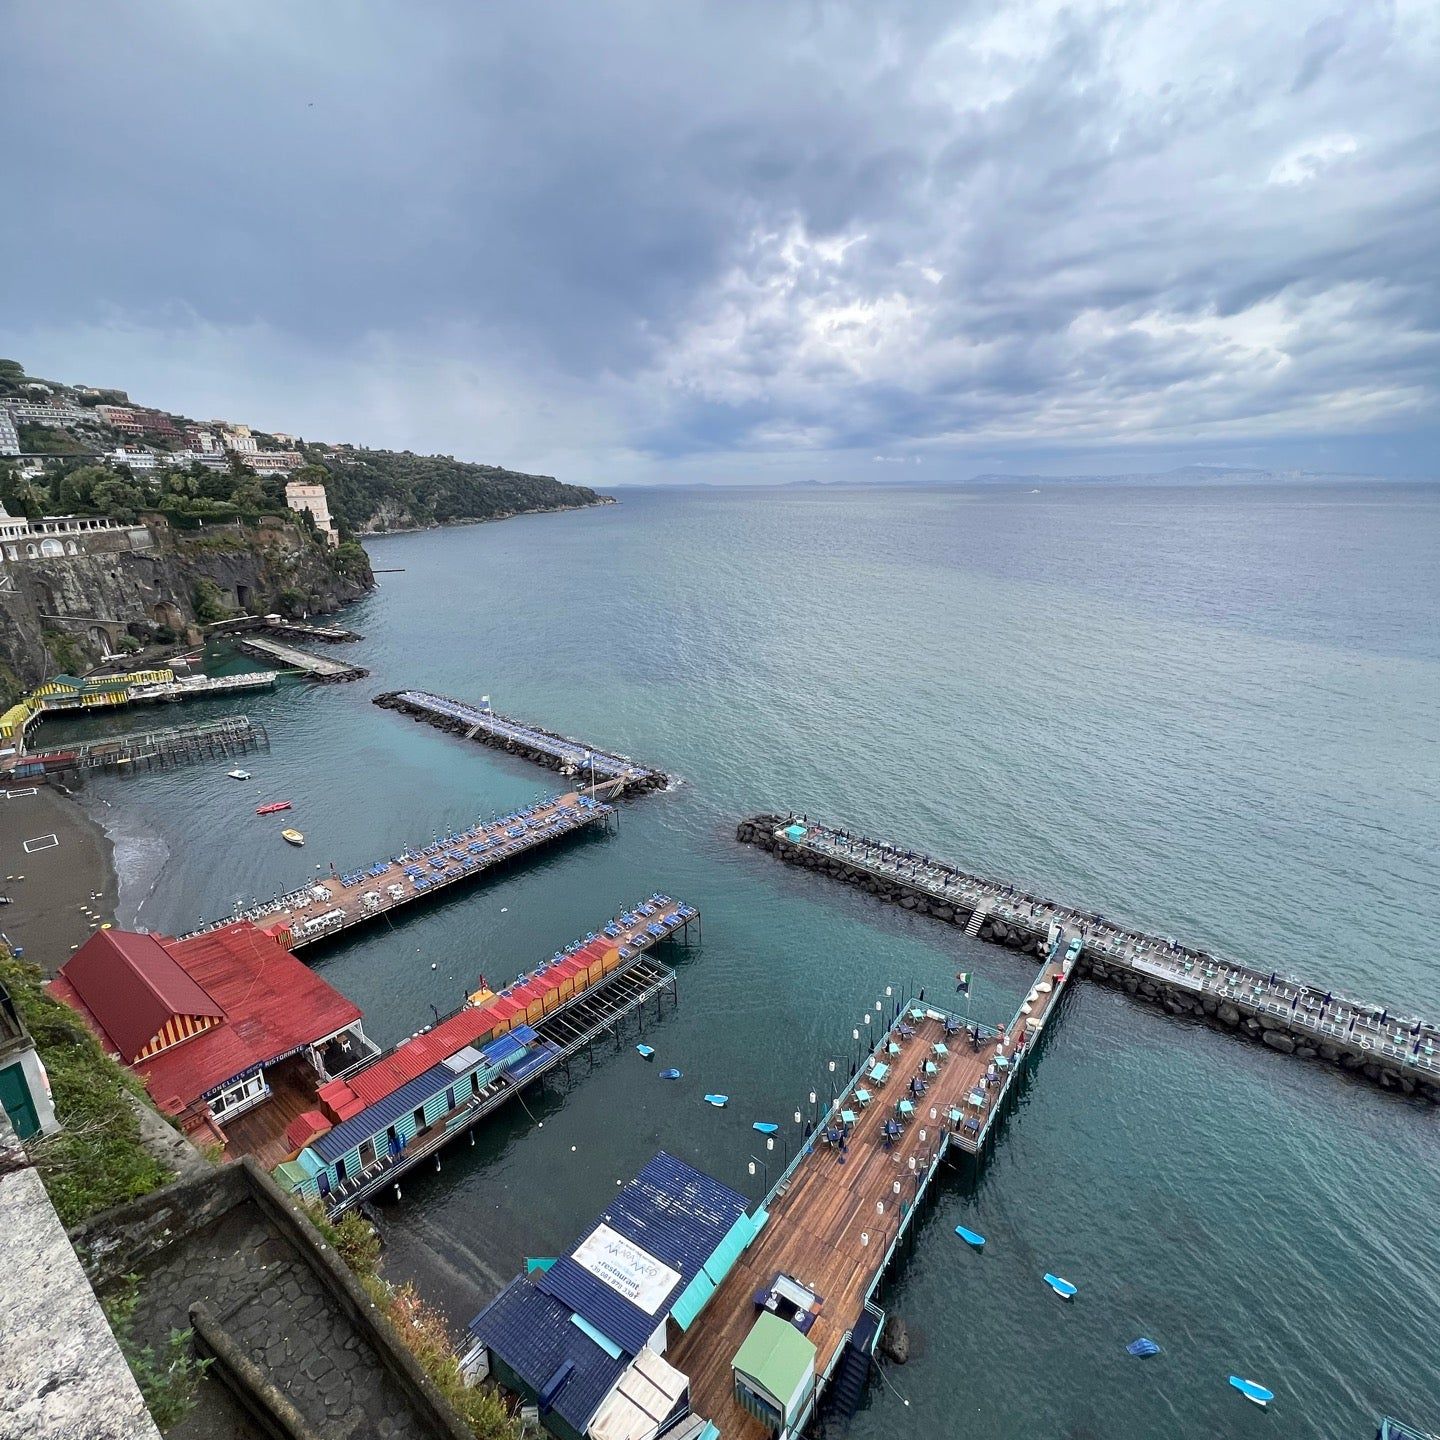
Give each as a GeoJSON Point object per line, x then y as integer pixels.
{"type": "Point", "coordinates": [239, 1096]}
{"type": "Point", "coordinates": [367, 1154]}
{"type": "Point", "coordinates": [450, 1098]}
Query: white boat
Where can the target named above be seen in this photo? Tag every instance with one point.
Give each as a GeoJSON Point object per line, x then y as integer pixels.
{"type": "Point", "coordinates": [238, 774]}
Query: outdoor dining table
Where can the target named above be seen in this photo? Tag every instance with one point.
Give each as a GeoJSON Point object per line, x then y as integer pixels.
{"type": "Point", "coordinates": [931, 1068]}
{"type": "Point", "coordinates": [906, 1108]}
{"type": "Point", "coordinates": [977, 1097]}
{"type": "Point", "coordinates": [917, 1013]}
{"type": "Point", "coordinates": [1003, 1061]}
{"type": "Point", "coordinates": [941, 1049]}
{"type": "Point", "coordinates": [955, 1115]}
{"type": "Point", "coordinates": [894, 1047]}
{"type": "Point", "coordinates": [863, 1096]}
{"type": "Point", "coordinates": [848, 1116]}
{"type": "Point", "coordinates": [880, 1072]}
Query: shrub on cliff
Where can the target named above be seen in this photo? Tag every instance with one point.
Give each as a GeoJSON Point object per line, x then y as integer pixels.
{"type": "Point", "coordinates": [209, 602]}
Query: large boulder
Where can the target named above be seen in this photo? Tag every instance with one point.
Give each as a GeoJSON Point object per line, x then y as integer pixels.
{"type": "Point", "coordinates": [1227, 1014]}
{"type": "Point", "coordinates": [895, 1340]}
{"type": "Point", "coordinates": [1278, 1040]}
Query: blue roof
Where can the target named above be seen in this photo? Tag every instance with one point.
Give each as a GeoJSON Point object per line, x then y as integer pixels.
{"type": "Point", "coordinates": [374, 1118]}
{"type": "Point", "coordinates": [534, 1335]}
{"type": "Point", "coordinates": [670, 1210]}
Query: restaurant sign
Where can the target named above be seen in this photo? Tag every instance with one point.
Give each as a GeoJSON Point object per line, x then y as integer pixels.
{"type": "Point", "coordinates": [627, 1269]}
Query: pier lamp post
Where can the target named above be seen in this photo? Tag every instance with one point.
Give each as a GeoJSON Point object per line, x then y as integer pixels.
{"type": "Point", "coordinates": [765, 1170]}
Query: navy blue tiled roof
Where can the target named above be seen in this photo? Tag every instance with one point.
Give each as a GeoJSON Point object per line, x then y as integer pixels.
{"type": "Point", "coordinates": [534, 1335]}
{"type": "Point", "coordinates": [374, 1118]}
{"type": "Point", "coordinates": [670, 1210]}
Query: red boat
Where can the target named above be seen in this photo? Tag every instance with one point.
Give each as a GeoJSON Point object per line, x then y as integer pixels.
{"type": "Point", "coordinates": [272, 809]}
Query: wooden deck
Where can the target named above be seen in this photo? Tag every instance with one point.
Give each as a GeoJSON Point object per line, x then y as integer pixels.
{"type": "Point", "coordinates": [261, 1132]}
{"type": "Point", "coordinates": [816, 1227]}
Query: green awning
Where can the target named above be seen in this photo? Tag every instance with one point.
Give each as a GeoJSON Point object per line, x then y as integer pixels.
{"type": "Point", "coordinates": [694, 1298]}
{"type": "Point", "coordinates": [776, 1361]}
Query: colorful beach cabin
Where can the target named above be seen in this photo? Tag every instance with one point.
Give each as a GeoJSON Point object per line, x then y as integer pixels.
{"type": "Point", "coordinates": [584, 1340]}
{"type": "Point", "coordinates": [774, 1372]}
{"type": "Point", "coordinates": [218, 1026]}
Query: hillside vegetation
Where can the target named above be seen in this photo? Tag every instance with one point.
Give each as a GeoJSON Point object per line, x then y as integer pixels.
{"type": "Point", "coordinates": [373, 490]}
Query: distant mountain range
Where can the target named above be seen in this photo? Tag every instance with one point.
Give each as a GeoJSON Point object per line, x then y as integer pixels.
{"type": "Point", "coordinates": [1182, 475]}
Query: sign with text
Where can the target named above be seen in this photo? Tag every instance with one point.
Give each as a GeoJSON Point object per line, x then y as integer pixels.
{"type": "Point", "coordinates": [627, 1269]}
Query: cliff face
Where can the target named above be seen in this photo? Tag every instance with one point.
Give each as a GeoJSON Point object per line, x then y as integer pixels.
{"type": "Point", "coordinates": [64, 612]}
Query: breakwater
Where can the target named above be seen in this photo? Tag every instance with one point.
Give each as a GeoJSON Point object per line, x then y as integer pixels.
{"type": "Point", "coordinates": [531, 742]}
{"type": "Point", "coordinates": [1391, 1049]}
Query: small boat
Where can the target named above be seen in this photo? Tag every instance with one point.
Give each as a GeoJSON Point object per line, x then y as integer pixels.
{"type": "Point", "coordinates": [765, 1127]}
{"type": "Point", "coordinates": [1063, 1288]}
{"type": "Point", "coordinates": [1256, 1394]}
{"type": "Point", "coordinates": [646, 1050]}
{"type": "Point", "coordinates": [238, 774]}
{"type": "Point", "coordinates": [274, 808]}
{"type": "Point", "coordinates": [718, 1101]}
{"type": "Point", "coordinates": [669, 1074]}
{"type": "Point", "coordinates": [1143, 1347]}
{"type": "Point", "coordinates": [970, 1237]}
{"type": "Point", "coordinates": [292, 837]}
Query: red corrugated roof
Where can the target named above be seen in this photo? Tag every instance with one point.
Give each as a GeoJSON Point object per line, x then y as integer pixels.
{"type": "Point", "coordinates": [271, 1005]}
{"type": "Point", "coordinates": [132, 986]}
{"type": "Point", "coordinates": [414, 1057]}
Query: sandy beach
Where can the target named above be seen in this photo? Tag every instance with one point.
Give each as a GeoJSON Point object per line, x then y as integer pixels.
{"type": "Point", "coordinates": [57, 870]}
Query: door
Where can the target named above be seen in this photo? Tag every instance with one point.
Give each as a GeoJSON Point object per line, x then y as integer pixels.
{"type": "Point", "coordinates": [15, 1096]}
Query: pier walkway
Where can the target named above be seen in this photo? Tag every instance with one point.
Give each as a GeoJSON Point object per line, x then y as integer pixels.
{"type": "Point", "coordinates": [1387, 1046]}
{"type": "Point", "coordinates": [317, 667]}
{"type": "Point", "coordinates": [564, 1023]}
{"type": "Point", "coordinates": [326, 907]}
{"type": "Point", "coordinates": [938, 1080]}
{"type": "Point", "coordinates": [155, 749]}
{"type": "Point", "coordinates": [283, 629]}
{"type": "Point", "coordinates": [556, 752]}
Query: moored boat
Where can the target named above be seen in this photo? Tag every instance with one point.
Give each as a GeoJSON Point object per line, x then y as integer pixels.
{"type": "Point", "coordinates": [238, 774]}
{"type": "Point", "coordinates": [273, 808]}
{"type": "Point", "coordinates": [292, 837]}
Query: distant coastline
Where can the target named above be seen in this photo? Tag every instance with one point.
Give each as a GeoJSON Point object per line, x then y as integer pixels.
{"type": "Point", "coordinates": [482, 519]}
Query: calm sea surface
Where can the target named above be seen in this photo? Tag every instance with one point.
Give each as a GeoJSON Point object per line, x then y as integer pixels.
{"type": "Point", "coordinates": [1214, 712]}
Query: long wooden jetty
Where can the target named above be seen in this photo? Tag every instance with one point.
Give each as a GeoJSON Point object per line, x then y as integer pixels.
{"type": "Point", "coordinates": [317, 667]}
{"type": "Point", "coordinates": [203, 687]}
{"type": "Point", "coordinates": [934, 1086]}
{"type": "Point", "coordinates": [329, 906]}
{"type": "Point", "coordinates": [389, 1113]}
{"type": "Point", "coordinates": [1392, 1049]}
{"type": "Point", "coordinates": [152, 749]}
{"type": "Point", "coordinates": [542, 747]}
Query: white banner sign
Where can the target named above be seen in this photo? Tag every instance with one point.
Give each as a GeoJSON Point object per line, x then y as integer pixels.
{"type": "Point", "coordinates": [627, 1269]}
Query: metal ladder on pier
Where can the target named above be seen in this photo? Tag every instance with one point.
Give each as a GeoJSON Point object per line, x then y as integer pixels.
{"type": "Point", "coordinates": [978, 918]}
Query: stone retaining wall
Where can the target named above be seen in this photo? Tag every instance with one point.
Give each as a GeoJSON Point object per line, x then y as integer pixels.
{"type": "Point", "coordinates": [1233, 1017]}
{"type": "Point", "coordinates": [391, 700]}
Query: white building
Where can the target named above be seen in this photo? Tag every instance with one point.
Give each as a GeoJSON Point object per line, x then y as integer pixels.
{"type": "Point", "coordinates": [138, 460]}
{"type": "Point", "coordinates": [302, 496]}
{"type": "Point", "coordinates": [44, 412]}
{"type": "Point", "coordinates": [9, 436]}
{"type": "Point", "coordinates": [270, 462]}
{"type": "Point", "coordinates": [50, 537]}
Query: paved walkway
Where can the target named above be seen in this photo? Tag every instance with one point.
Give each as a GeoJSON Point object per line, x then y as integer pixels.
{"type": "Point", "coordinates": [263, 1293]}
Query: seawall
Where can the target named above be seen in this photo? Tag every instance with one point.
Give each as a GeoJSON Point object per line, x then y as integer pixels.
{"type": "Point", "coordinates": [1236, 1013]}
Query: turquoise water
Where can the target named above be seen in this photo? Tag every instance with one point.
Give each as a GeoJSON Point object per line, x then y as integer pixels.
{"type": "Point", "coordinates": [1213, 712]}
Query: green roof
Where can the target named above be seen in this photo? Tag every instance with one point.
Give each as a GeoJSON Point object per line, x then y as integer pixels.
{"type": "Point", "coordinates": [776, 1356]}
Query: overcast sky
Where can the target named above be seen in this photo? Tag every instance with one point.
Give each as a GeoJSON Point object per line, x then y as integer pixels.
{"type": "Point", "coordinates": [741, 241]}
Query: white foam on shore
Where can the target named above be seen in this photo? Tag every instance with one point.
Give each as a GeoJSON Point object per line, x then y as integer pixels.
{"type": "Point", "coordinates": [140, 854]}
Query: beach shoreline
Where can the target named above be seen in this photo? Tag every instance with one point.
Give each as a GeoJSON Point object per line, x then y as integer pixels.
{"type": "Point", "coordinates": [65, 886]}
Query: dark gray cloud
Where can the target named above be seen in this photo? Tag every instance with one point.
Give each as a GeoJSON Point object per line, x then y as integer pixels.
{"type": "Point", "coordinates": [634, 239]}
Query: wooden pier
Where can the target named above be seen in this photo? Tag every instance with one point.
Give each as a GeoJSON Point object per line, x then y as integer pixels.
{"type": "Point", "coordinates": [935, 1085]}
{"type": "Point", "coordinates": [336, 903]}
{"type": "Point", "coordinates": [565, 1028]}
{"type": "Point", "coordinates": [156, 749]}
{"type": "Point", "coordinates": [203, 687]}
{"type": "Point", "coordinates": [542, 747]}
{"type": "Point", "coordinates": [1392, 1049]}
{"type": "Point", "coordinates": [317, 667]}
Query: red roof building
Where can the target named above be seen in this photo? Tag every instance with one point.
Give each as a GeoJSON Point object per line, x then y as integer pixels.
{"type": "Point", "coordinates": [203, 1020]}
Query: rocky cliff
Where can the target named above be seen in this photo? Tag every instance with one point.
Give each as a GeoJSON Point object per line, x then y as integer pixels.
{"type": "Point", "coordinates": [151, 583]}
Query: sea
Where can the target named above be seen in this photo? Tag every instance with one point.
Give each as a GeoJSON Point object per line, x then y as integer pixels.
{"type": "Point", "coordinates": [1213, 712]}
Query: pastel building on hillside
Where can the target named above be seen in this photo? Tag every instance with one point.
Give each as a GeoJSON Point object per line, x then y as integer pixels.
{"type": "Point", "coordinates": [301, 495]}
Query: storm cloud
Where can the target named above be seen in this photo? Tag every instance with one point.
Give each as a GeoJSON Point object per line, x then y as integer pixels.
{"type": "Point", "coordinates": [741, 241]}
